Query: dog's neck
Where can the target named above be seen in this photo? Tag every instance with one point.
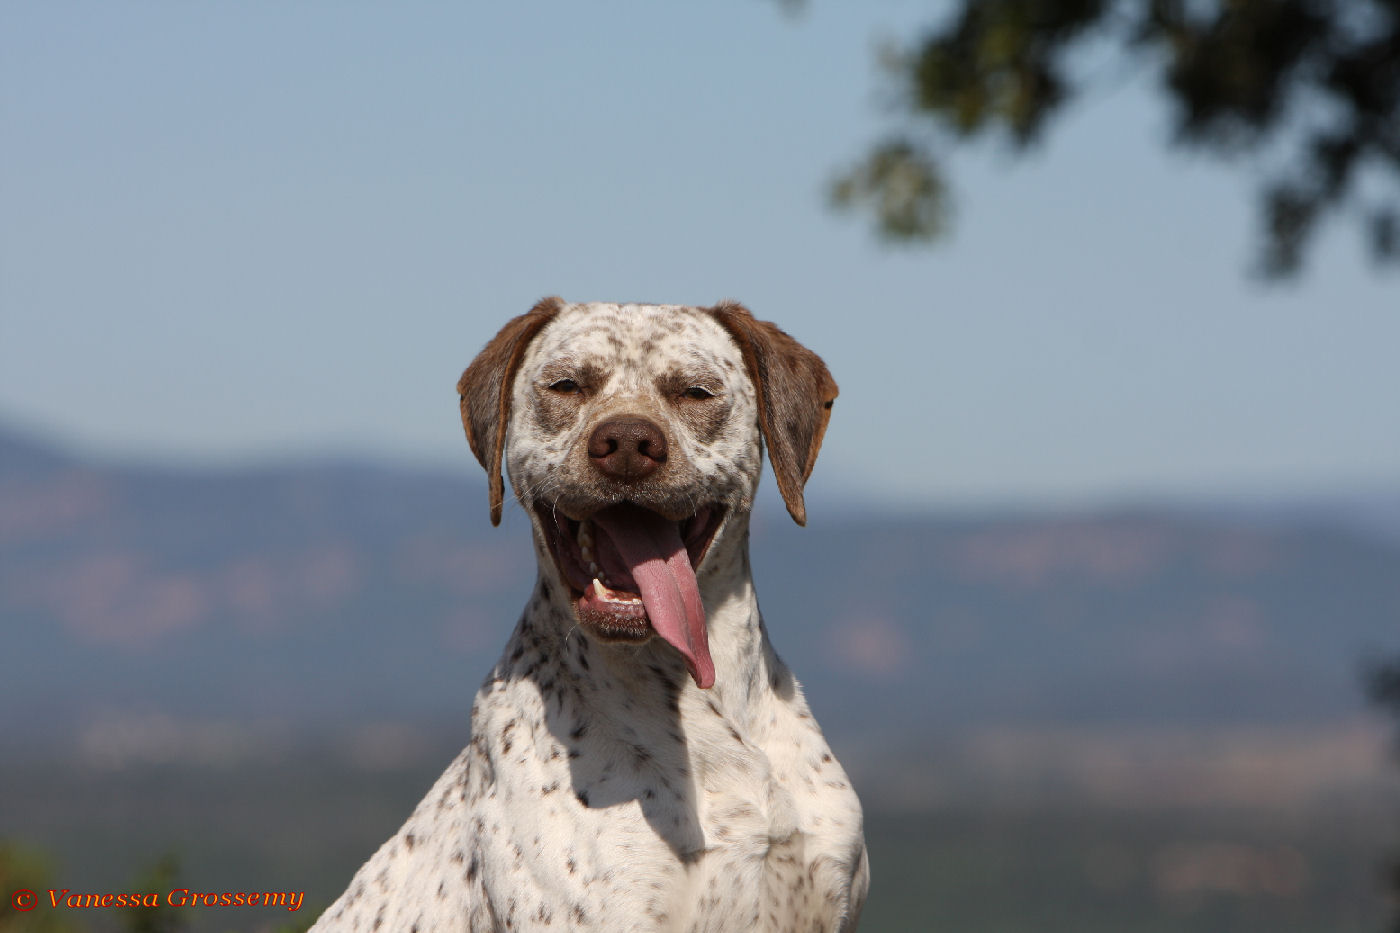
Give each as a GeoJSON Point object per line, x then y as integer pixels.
{"type": "Point", "coordinates": [594, 670]}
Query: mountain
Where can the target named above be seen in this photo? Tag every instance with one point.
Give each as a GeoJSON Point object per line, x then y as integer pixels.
{"type": "Point", "coordinates": [339, 592]}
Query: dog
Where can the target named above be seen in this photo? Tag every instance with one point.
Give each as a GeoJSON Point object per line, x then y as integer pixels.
{"type": "Point", "coordinates": [640, 758]}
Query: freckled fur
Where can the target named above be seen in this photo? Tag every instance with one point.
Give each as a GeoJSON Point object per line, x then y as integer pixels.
{"type": "Point", "coordinates": [602, 790]}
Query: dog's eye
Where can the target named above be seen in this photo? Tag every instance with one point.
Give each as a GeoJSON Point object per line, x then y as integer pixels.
{"type": "Point", "coordinates": [697, 392]}
{"type": "Point", "coordinates": [564, 387]}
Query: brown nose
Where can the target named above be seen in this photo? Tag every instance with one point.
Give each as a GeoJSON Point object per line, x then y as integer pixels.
{"type": "Point", "coordinates": [627, 449]}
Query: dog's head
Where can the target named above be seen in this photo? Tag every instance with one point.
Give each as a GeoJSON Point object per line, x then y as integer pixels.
{"type": "Point", "coordinates": [630, 434]}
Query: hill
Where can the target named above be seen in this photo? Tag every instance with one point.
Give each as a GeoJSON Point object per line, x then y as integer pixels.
{"type": "Point", "coordinates": [337, 592]}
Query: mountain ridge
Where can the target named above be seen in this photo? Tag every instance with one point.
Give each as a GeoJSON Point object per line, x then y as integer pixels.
{"type": "Point", "coordinates": [329, 592]}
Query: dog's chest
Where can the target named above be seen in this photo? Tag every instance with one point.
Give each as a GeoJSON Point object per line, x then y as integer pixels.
{"type": "Point", "coordinates": [782, 829]}
{"type": "Point", "coordinates": [709, 827]}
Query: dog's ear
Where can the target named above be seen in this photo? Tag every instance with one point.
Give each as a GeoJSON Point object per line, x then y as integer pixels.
{"type": "Point", "coordinates": [795, 393]}
{"type": "Point", "coordinates": [485, 390]}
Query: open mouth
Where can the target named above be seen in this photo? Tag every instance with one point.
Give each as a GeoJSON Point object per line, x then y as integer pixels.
{"type": "Point", "coordinates": [631, 572]}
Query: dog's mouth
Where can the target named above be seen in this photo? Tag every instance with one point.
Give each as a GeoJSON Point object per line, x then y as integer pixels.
{"type": "Point", "coordinates": [631, 572]}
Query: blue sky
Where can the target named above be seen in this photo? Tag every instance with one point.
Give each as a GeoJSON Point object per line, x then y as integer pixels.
{"type": "Point", "coordinates": [235, 232]}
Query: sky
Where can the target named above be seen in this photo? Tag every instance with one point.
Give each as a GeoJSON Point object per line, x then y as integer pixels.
{"type": "Point", "coordinates": [239, 233]}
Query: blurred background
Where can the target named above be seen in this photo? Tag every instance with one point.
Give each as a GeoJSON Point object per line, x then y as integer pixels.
{"type": "Point", "coordinates": [1101, 580]}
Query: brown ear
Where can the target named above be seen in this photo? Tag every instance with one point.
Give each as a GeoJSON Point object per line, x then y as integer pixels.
{"type": "Point", "coordinates": [485, 390]}
{"type": "Point", "coordinates": [795, 393]}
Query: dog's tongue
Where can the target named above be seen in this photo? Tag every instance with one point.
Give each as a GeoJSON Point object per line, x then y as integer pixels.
{"type": "Point", "coordinates": [655, 555]}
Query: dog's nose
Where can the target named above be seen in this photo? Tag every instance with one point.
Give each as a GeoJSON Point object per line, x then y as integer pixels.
{"type": "Point", "coordinates": [627, 449]}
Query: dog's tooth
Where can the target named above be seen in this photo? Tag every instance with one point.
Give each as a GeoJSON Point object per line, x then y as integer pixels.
{"type": "Point", "coordinates": [586, 554]}
{"type": "Point", "coordinates": [585, 535]}
{"type": "Point", "coordinates": [593, 569]}
{"type": "Point", "coordinates": [598, 587]}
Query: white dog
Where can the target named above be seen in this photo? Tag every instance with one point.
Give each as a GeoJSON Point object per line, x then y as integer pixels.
{"type": "Point", "coordinates": [641, 759]}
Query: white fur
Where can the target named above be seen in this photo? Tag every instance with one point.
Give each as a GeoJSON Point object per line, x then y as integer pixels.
{"type": "Point", "coordinates": [602, 790]}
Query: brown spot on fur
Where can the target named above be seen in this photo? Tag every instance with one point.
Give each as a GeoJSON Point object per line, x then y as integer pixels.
{"type": "Point", "coordinates": [554, 410]}
{"type": "Point", "coordinates": [705, 417]}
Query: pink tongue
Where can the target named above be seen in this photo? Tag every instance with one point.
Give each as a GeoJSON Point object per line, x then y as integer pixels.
{"type": "Point", "coordinates": [655, 555]}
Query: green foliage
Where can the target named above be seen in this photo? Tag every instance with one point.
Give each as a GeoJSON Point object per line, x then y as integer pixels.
{"type": "Point", "coordinates": [905, 186]}
{"type": "Point", "coordinates": [23, 868]}
{"type": "Point", "coordinates": [161, 875]}
{"type": "Point", "coordinates": [1002, 64]}
{"type": "Point", "coordinates": [1316, 81]}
